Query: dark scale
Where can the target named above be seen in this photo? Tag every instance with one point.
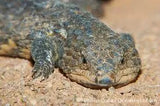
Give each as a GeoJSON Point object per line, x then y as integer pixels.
{"type": "Point", "coordinates": [57, 34]}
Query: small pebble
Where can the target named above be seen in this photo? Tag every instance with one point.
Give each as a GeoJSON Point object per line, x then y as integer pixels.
{"type": "Point", "coordinates": [33, 102]}
{"type": "Point", "coordinates": [7, 104]}
{"type": "Point", "coordinates": [111, 89]}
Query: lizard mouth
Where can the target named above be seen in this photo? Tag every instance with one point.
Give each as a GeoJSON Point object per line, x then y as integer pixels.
{"type": "Point", "coordinates": [85, 81]}
{"type": "Point", "coordinates": [90, 80]}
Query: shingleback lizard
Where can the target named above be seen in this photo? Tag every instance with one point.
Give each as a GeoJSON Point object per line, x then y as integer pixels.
{"type": "Point", "coordinates": [62, 35]}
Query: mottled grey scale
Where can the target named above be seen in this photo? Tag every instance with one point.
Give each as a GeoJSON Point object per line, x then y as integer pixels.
{"type": "Point", "coordinates": [58, 34]}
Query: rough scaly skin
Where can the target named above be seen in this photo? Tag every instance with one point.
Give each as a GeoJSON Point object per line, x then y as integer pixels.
{"type": "Point", "coordinates": [65, 36]}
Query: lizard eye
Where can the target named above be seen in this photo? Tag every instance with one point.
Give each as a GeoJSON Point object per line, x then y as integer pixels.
{"type": "Point", "coordinates": [122, 61]}
{"type": "Point", "coordinates": [84, 60]}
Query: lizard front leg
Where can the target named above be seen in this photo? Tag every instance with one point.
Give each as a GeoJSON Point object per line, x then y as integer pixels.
{"type": "Point", "coordinates": [44, 54]}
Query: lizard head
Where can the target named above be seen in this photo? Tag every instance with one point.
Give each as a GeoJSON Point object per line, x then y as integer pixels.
{"type": "Point", "coordinates": [103, 61]}
{"type": "Point", "coordinates": [112, 62]}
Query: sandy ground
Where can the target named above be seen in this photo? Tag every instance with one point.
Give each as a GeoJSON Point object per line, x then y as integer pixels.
{"type": "Point", "coordinates": [141, 18]}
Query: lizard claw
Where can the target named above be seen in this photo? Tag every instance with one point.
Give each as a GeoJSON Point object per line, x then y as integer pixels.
{"type": "Point", "coordinates": [42, 69]}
